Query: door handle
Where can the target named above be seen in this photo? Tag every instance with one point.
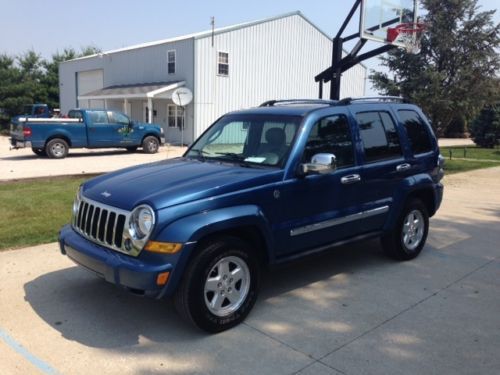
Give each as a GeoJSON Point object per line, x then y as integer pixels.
{"type": "Point", "coordinates": [403, 167]}
{"type": "Point", "coordinates": [350, 179]}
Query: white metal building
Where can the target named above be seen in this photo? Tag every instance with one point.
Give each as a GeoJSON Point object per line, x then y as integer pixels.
{"type": "Point", "coordinates": [227, 69]}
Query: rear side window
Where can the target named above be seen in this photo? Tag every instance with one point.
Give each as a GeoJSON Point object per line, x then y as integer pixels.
{"type": "Point", "coordinates": [379, 136]}
{"type": "Point", "coordinates": [331, 135]}
{"type": "Point", "coordinates": [75, 114]}
{"type": "Point", "coordinates": [417, 131]}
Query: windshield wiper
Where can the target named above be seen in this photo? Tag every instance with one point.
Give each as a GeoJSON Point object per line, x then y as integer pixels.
{"type": "Point", "coordinates": [200, 153]}
{"type": "Point", "coordinates": [232, 156]}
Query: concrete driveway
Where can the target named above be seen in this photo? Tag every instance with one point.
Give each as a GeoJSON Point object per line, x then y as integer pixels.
{"type": "Point", "coordinates": [351, 311]}
{"type": "Point", "coordinates": [23, 163]}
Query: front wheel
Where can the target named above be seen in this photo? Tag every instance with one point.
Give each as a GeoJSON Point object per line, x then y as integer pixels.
{"type": "Point", "coordinates": [57, 148]}
{"type": "Point", "coordinates": [150, 145]}
{"type": "Point", "coordinates": [408, 237]}
{"type": "Point", "coordinates": [220, 285]}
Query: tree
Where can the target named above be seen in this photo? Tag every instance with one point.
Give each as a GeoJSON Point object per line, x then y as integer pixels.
{"type": "Point", "coordinates": [454, 75]}
{"type": "Point", "coordinates": [485, 129]}
{"type": "Point", "coordinates": [29, 78]}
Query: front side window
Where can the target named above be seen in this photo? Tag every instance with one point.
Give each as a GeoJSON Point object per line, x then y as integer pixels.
{"type": "Point", "coordinates": [250, 140]}
{"type": "Point", "coordinates": [223, 64]}
{"type": "Point", "coordinates": [417, 131]}
{"type": "Point", "coordinates": [379, 135]}
{"type": "Point", "coordinates": [331, 135]}
{"type": "Point", "coordinates": [175, 116]}
{"type": "Point", "coordinates": [171, 61]}
{"type": "Point", "coordinates": [119, 118]}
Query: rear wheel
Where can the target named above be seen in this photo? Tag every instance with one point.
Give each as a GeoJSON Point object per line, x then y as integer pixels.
{"type": "Point", "coordinates": [150, 145]}
{"type": "Point", "coordinates": [57, 148]}
{"type": "Point", "coordinates": [39, 151]}
{"type": "Point", "coordinates": [408, 237]}
{"type": "Point", "coordinates": [220, 285]}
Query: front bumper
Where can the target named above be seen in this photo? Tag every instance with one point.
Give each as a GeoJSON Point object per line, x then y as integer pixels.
{"type": "Point", "coordinates": [15, 144]}
{"type": "Point", "coordinates": [136, 274]}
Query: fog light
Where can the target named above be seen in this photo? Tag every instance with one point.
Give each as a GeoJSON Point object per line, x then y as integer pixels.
{"type": "Point", "coordinates": [162, 278]}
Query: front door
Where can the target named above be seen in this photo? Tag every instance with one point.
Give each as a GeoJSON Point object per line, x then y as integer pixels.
{"type": "Point", "coordinates": [103, 131]}
{"type": "Point", "coordinates": [320, 209]}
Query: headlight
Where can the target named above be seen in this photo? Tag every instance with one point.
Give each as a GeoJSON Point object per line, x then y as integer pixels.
{"type": "Point", "coordinates": [142, 221]}
{"type": "Point", "coordinates": [78, 199]}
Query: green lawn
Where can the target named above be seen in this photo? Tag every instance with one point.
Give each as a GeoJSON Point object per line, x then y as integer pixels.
{"type": "Point", "coordinates": [32, 212]}
{"type": "Point", "coordinates": [456, 165]}
{"type": "Point", "coordinates": [471, 152]}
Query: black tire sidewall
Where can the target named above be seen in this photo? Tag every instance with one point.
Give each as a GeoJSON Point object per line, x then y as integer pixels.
{"type": "Point", "coordinates": [145, 144]}
{"type": "Point", "coordinates": [48, 150]}
{"type": "Point", "coordinates": [209, 256]}
{"type": "Point", "coordinates": [399, 249]}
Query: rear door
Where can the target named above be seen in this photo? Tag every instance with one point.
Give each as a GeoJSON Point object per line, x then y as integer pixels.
{"type": "Point", "coordinates": [384, 163]}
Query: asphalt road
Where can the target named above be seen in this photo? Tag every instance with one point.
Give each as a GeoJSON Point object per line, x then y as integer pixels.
{"type": "Point", "coordinates": [350, 311]}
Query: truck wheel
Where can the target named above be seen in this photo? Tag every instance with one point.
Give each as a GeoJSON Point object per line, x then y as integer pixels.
{"type": "Point", "coordinates": [57, 148]}
{"type": "Point", "coordinates": [150, 145]}
{"type": "Point", "coordinates": [408, 237]}
{"type": "Point", "coordinates": [39, 151]}
{"type": "Point", "coordinates": [220, 285]}
{"type": "Point", "coordinates": [132, 149]}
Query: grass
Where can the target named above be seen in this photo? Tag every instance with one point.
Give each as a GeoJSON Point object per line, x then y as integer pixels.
{"type": "Point", "coordinates": [33, 211]}
{"type": "Point", "coordinates": [471, 152]}
{"type": "Point", "coordinates": [457, 165]}
{"type": "Point", "coordinates": [463, 159]}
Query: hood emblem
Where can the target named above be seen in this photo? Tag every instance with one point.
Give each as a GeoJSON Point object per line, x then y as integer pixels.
{"type": "Point", "coordinates": [106, 194]}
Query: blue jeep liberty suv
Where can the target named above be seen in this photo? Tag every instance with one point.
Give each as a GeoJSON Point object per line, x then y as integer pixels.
{"type": "Point", "coordinates": [259, 187]}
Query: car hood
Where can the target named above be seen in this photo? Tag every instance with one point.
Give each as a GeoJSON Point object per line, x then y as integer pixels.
{"type": "Point", "coordinates": [175, 181]}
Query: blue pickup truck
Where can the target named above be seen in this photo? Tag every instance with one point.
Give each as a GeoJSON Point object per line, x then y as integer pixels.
{"type": "Point", "coordinates": [84, 128]}
{"type": "Point", "coordinates": [260, 187]}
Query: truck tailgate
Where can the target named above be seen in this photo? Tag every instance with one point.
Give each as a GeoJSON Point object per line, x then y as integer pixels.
{"type": "Point", "coordinates": [16, 131]}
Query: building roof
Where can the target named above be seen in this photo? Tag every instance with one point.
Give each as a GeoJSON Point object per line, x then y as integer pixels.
{"type": "Point", "coordinates": [204, 34]}
{"type": "Point", "coordinates": [142, 90]}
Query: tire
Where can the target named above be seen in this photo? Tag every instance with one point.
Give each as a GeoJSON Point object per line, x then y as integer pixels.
{"type": "Point", "coordinates": [408, 237]}
{"type": "Point", "coordinates": [150, 144]}
{"type": "Point", "coordinates": [39, 151]}
{"type": "Point", "coordinates": [57, 148]}
{"type": "Point", "coordinates": [219, 286]}
{"type": "Point", "coordinates": [132, 149]}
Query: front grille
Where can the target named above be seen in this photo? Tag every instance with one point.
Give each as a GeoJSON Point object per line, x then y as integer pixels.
{"type": "Point", "coordinates": [101, 223]}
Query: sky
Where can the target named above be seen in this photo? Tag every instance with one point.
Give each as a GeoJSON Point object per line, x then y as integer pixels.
{"type": "Point", "coordinates": [52, 25]}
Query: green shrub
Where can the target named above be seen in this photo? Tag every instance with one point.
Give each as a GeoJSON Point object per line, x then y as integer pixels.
{"type": "Point", "coordinates": [485, 129]}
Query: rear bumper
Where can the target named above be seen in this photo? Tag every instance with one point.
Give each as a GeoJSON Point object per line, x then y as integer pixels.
{"type": "Point", "coordinates": [15, 144]}
{"type": "Point", "coordinates": [135, 274]}
{"type": "Point", "coordinates": [438, 192]}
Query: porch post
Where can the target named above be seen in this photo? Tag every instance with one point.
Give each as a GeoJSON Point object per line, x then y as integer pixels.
{"type": "Point", "coordinates": [105, 103]}
{"type": "Point", "coordinates": [125, 106]}
{"type": "Point", "coordinates": [150, 110]}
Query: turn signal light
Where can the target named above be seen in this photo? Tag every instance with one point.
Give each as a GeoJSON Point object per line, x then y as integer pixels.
{"type": "Point", "coordinates": [163, 247]}
{"type": "Point", "coordinates": [162, 278]}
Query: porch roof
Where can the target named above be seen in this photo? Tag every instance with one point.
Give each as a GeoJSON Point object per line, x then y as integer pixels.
{"type": "Point", "coordinates": [135, 91]}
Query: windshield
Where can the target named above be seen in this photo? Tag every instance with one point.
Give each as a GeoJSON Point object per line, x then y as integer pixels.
{"type": "Point", "coordinates": [249, 140]}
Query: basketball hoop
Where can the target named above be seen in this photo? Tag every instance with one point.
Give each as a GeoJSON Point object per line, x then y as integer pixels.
{"type": "Point", "coordinates": [408, 34]}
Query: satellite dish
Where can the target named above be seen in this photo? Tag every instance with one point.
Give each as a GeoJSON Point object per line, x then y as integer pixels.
{"type": "Point", "coordinates": [182, 96]}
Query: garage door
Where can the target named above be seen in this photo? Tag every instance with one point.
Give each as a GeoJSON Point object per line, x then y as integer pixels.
{"type": "Point", "coordinates": [89, 81]}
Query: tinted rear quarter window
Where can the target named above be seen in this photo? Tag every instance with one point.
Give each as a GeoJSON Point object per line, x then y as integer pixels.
{"type": "Point", "coordinates": [417, 130]}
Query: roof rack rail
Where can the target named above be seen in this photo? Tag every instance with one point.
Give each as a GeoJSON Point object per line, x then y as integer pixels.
{"type": "Point", "coordinates": [396, 99]}
{"type": "Point", "coordinates": [271, 103]}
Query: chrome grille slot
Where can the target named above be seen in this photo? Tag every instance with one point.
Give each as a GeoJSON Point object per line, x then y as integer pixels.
{"type": "Point", "coordinates": [101, 224]}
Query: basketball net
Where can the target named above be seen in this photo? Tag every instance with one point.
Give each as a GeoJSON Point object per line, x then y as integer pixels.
{"type": "Point", "coordinates": [408, 34]}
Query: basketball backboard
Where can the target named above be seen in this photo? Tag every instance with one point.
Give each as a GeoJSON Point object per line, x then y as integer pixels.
{"type": "Point", "coordinates": [379, 16]}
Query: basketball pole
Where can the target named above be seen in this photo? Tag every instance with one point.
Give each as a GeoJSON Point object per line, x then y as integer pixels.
{"type": "Point", "coordinates": [340, 64]}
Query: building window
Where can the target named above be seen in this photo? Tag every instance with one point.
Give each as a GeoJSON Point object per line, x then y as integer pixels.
{"type": "Point", "coordinates": [223, 64]}
{"type": "Point", "coordinates": [175, 116]}
{"type": "Point", "coordinates": [171, 61]}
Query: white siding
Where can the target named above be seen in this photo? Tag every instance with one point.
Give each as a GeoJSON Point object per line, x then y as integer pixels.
{"type": "Point", "coordinates": [277, 59]}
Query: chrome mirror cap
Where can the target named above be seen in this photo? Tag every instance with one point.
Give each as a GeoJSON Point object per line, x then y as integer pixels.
{"type": "Point", "coordinates": [320, 164]}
